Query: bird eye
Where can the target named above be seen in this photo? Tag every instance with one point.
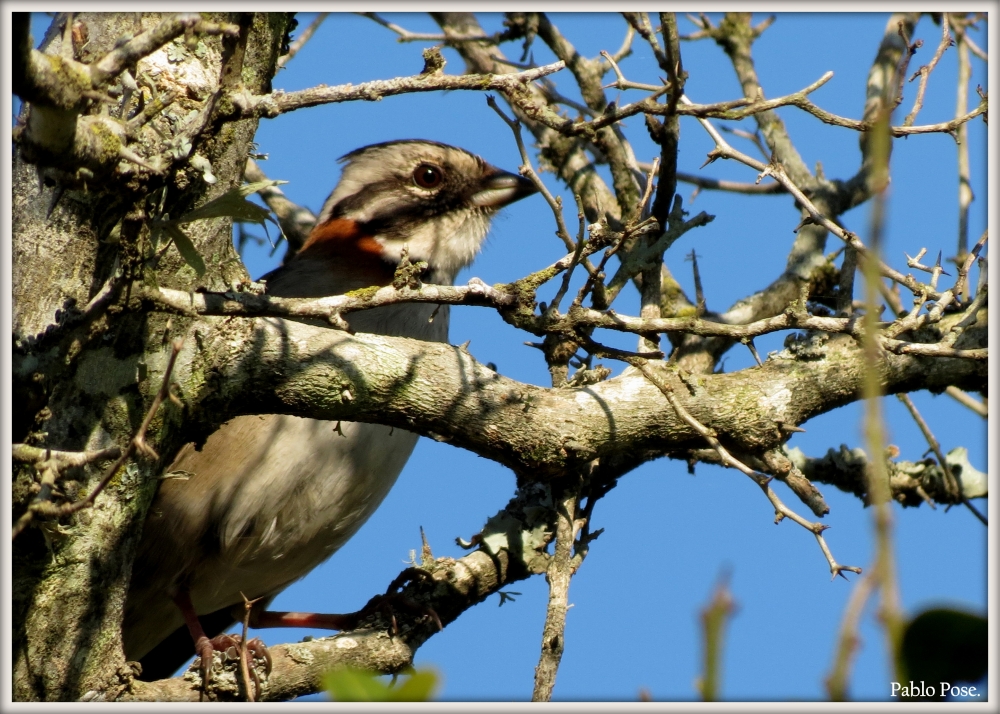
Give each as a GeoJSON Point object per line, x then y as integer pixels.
{"type": "Point", "coordinates": [427, 176]}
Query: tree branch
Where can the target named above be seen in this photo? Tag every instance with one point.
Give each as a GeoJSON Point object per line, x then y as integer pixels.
{"type": "Point", "coordinates": [271, 105]}
{"type": "Point", "coordinates": [267, 365]}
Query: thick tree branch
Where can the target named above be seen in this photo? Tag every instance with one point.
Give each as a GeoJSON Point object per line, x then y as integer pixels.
{"type": "Point", "coordinates": [267, 365]}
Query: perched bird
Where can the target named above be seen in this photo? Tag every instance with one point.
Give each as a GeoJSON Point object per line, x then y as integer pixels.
{"type": "Point", "coordinates": [268, 498]}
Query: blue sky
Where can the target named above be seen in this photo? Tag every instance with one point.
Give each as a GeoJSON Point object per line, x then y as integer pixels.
{"type": "Point", "coordinates": [668, 535]}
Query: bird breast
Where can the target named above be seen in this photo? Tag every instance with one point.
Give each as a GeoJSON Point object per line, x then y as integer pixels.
{"type": "Point", "coordinates": [304, 487]}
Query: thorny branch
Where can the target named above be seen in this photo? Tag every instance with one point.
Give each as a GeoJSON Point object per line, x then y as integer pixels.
{"type": "Point", "coordinates": [725, 150]}
{"type": "Point", "coordinates": [763, 481]}
{"type": "Point", "coordinates": [925, 72]}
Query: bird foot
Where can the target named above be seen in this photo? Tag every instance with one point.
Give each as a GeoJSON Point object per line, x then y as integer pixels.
{"type": "Point", "coordinates": [389, 603]}
{"type": "Point", "coordinates": [393, 597]}
{"type": "Point", "coordinates": [386, 604]}
{"type": "Point", "coordinates": [232, 648]}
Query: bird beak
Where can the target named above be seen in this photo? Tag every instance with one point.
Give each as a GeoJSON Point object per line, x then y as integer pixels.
{"type": "Point", "coordinates": [500, 188]}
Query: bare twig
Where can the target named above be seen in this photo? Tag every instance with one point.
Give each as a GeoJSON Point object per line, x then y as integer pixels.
{"type": "Point", "coordinates": [558, 574]}
{"type": "Point", "coordinates": [974, 48]}
{"type": "Point", "coordinates": [848, 639]}
{"type": "Point", "coordinates": [731, 186]}
{"type": "Point", "coordinates": [271, 105]}
{"type": "Point", "coordinates": [529, 172]}
{"type": "Point", "coordinates": [148, 113]}
{"type": "Point", "coordinates": [953, 485]}
{"type": "Point", "coordinates": [966, 265]}
{"type": "Point", "coordinates": [577, 257]}
{"type": "Point", "coordinates": [651, 295]}
{"type": "Point", "coordinates": [244, 665]}
{"type": "Point", "coordinates": [640, 22]}
{"type": "Point", "coordinates": [753, 137]}
{"type": "Point", "coordinates": [250, 304]}
{"type": "Point", "coordinates": [925, 72]}
{"type": "Point", "coordinates": [699, 291]}
{"type": "Point", "coordinates": [632, 266]}
{"type": "Point", "coordinates": [762, 480]}
{"type": "Point", "coordinates": [295, 221]}
{"type": "Point", "coordinates": [27, 454]}
{"type": "Point", "coordinates": [50, 466]}
{"type": "Point", "coordinates": [243, 646]}
{"type": "Point", "coordinates": [553, 96]}
{"type": "Point", "coordinates": [962, 134]}
{"type": "Point", "coordinates": [845, 299]}
{"type": "Point", "coordinates": [741, 108]}
{"type": "Point", "coordinates": [302, 39]}
{"type": "Point", "coordinates": [725, 150]}
{"type": "Point", "coordinates": [407, 36]}
{"type": "Point", "coordinates": [967, 400]}
{"type": "Point", "coordinates": [626, 49]}
{"type": "Point", "coordinates": [571, 162]}
{"type": "Point", "coordinates": [621, 82]}
{"type": "Point", "coordinates": [748, 341]}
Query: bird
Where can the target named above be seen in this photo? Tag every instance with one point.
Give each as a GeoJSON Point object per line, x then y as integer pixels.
{"type": "Point", "coordinates": [267, 498]}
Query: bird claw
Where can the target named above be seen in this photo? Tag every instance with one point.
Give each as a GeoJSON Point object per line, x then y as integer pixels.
{"type": "Point", "coordinates": [384, 603]}
{"type": "Point", "coordinates": [231, 648]}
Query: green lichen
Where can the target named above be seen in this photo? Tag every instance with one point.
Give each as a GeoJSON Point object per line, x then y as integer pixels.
{"type": "Point", "coordinates": [363, 293]}
{"type": "Point", "coordinates": [105, 143]}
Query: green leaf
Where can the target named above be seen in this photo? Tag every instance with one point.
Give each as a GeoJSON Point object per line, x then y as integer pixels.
{"type": "Point", "coordinates": [417, 687]}
{"type": "Point", "coordinates": [356, 685]}
{"type": "Point", "coordinates": [190, 254]}
{"type": "Point", "coordinates": [233, 204]}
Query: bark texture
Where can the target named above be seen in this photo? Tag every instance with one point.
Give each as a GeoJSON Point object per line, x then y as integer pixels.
{"type": "Point", "coordinates": [86, 373]}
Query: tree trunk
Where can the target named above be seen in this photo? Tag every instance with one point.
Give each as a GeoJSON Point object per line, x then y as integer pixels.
{"type": "Point", "coordinates": [84, 378]}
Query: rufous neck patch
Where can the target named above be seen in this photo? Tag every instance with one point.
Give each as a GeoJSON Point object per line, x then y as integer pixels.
{"type": "Point", "coordinates": [344, 243]}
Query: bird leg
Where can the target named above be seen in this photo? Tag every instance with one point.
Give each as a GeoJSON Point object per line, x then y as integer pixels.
{"type": "Point", "coordinates": [328, 621]}
{"type": "Point", "coordinates": [205, 647]}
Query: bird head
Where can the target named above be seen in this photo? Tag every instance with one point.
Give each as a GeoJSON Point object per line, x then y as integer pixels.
{"type": "Point", "coordinates": [432, 200]}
